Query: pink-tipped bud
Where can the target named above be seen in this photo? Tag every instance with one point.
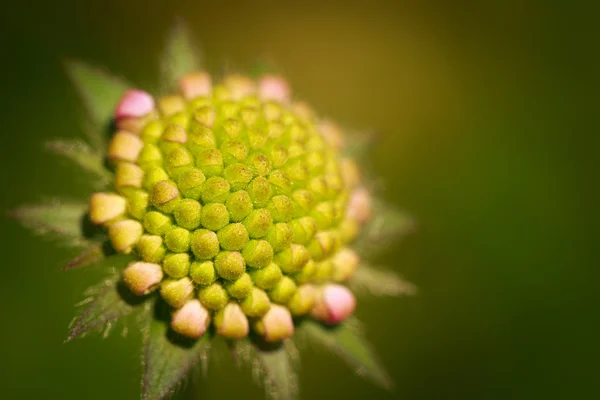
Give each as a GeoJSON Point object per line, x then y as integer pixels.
{"type": "Point", "coordinates": [231, 322]}
{"type": "Point", "coordinates": [191, 320]}
{"type": "Point", "coordinates": [359, 206]}
{"type": "Point", "coordinates": [345, 263]}
{"type": "Point", "coordinates": [105, 207]}
{"type": "Point", "coordinates": [334, 303]}
{"type": "Point", "coordinates": [239, 86]}
{"type": "Point", "coordinates": [272, 87]}
{"type": "Point", "coordinates": [276, 324]}
{"type": "Point", "coordinates": [332, 134]}
{"type": "Point", "coordinates": [134, 104]}
{"type": "Point", "coordinates": [125, 146]}
{"type": "Point", "coordinates": [195, 84]}
{"type": "Point", "coordinates": [142, 277]}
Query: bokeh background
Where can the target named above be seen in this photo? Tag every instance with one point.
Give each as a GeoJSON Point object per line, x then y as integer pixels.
{"type": "Point", "coordinates": [485, 114]}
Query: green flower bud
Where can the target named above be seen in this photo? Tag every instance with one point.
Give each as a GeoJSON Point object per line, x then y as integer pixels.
{"type": "Point", "coordinates": [205, 116]}
{"type": "Point", "coordinates": [258, 223]}
{"type": "Point", "coordinates": [281, 208]}
{"type": "Point", "coordinates": [258, 253]}
{"type": "Point", "coordinates": [303, 202]}
{"type": "Point", "coordinates": [345, 263]}
{"type": "Point", "coordinates": [279, 236]}
{"type": "Point", "coordinates": [297, 171]}
{"type": "Point", "coordinates": [302, 301]}
{"type": "Point", "coordinates": [234, 151]}
{"type": "Point", "coordinates": [214, 216]}
{"type": "Point", "coordinates": [125, 146]}
{"type": "Point", "coordinates": [321, 245]}
{"type": "Point", "coordinates": [238, 175]}
{"type": "Point", "coordinates": [349, 230]}
{"type": "Point", "coordinates": [150, 156]}
{"type": "Point", "coordinates": [256, 304]}
{"type": "Point", "coordinates": [164, 196]}
{"type": "Point", "coordinates": [276, 324]}
{"type": "Point", "coordinates": [233, 237]}
{"type": "Point", "coordinates": [191, 320]}
{"type": "Point", "coordinates": [239, 205]}
{"type": "Point", "coordinates": [203, 272]}
{"type": "Point", "coordinates": [257, 138]}
{"type": "Point", "coordinates": [350, 173]}
{"type": "Point", "coordinates": [157, 223]}
{"type": "Point", "coordinates": [240, 288]}
{"type": "Point", "coordinates": [266, 278]}
{"type": "Point", "coordinates": [178, 161]}
{"type": "Point", "coordinates": [324, 214]}
{"type": "Point", "coordinates": [152, 132]}
{"type": "Point", "coordinates": [204, 244]}
{"type": "Point", "coordinates": [200, 138]}
{"type": "Point", "coordinates": [292, 259]}
{"type": "Point", "coordinates": [177, 265]}
{"type": "Point", "coordinates": [324, 271]}
{"type": "Point", "coordinates": [307, 273]}
{"type": "Point", "coordinates": [230, 265]}
{"type": "Point", "coordinates": [137, 203]}
{"type": "Point", "coordinates": [210, 161]}
{"type": "Point", "coordinates": [105, 207]}
{"type": "Point", "coordinates": [191, 183]}
{"type": "Point", "coordinates": [128, 176]}
{"type": "Point", "coordinates": [259, 164]}
{"type": "Point", "coordinates": [232, 128]}
{"type": "Point", "coordinates": [215, 190]}
{"type": "Point", "coordinates": [125, 234]}
{"type": "Point", "coordinates": [173, 134]}
{"type": "Point", "coordinates": [279, 156]}
{"type": "Point", "coordinates": [187, 214]}
{"type": "Point", "coordinates": [231, 322]}
{"type": "Point", "coordinates": [153, 176]}
{"type": "Point", "coordinates": [176, 292]}
{"type": "Point", "coordinates": [213, 297]}
{"type": "Point", "coordinates": [283, 291]}
{"type": "Point", "coordinates": [142, 278]}
{"type": "Point", "coordinates": [303, 230]}
{"type": "Point", "coordinates": [169, 105]}
{"type": "Point", "coordinates": [150, 248]}
{"type": "Point", "coordinates": [178, 240]}
{"type": "Point", "coordinates": [280, 182]}
{"type": "Point", "coordinates": [260, 191]}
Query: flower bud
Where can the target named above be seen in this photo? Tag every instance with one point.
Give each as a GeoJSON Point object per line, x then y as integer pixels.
{"type": "Point", "coordinates": [191, 183]}
{"type": "Point", "coordinates": [333, 304]}
{"type": "Point", "coordinates": [234, 151]}
{"type": "Point", "coordinates": [260, 164]}
{"type": "Point", "coordinates": [303, 230]}
{"type": "Point", "coordinates": [154, 175]}
{"type": "Point", "coordinates": [283, 291]}
{"type": "Point", "coordinates": [150, 248]}
{"type": "Point", "coordinates": [230, 265]}
{"type": "Point", "coordinates": [178, 161]}
{"type": "Point", "coordinates": [187, 214]}
{"type": "Point", "coordinates": [127, 176]}
{"type": "Point", "coordinates": [203, 272]}
{"type": "Point", "coordinates": [345, 263]}
{"type": "Point", "coordinates": [260, 191]}
{"type": "Point", "coordinates": [134, 104]}
{"type": "Point", "coordinates": [195, 84]}
{"type": "Point", "coordinates": [349, 230]}
{"type": "Point", "coordinates": [215, 190]}
{"type": "Point", "coordinates": [214, 216]}
{"type": "Point", "coordinates": [332, 134]}
{"type": "Point", "coordinates": [205, 116]}
{"type": "Point", "coordinates": [239, 86]}
{"type": "Point", "coordinates": [303, 300]}
{"type": "Point", "coordinates": [281, 208]}
{"type": "Point", "coordinates": [178, 240]}
{"type": "Point", "coordinates": [137, 203]}
{"type": "Point", "coordinates": [258, 223]}
{"type": "Point", "coordinates": [258, 253]}
{"type": "Point", "coordinates": [266, 278]}
{"type": "Point", "coordinates": [200, 138]}
{"type": "Point", "coordinates": [177, 265]}
{"type": "Point", "coordinates": [324, 271]}
{"type": "Point", "coordinates": [213, 297]}
{"type": "Point", "coordinates": [142, 278]}
{"type": "Point", "coordinates": [359, 205]}
{"type": "Point", "coordinates": [276, 324]}
{"type": "Point", "coordinates": [239, 205]}
{"type": "Point", "coordinates": [232, 128]}
{"type": "Point", "coordinates": [274, 88]}
{"type": "Point", "coordinates": [125, 234]}
{"type": "Point", "coordinates": [210, 161]}
{"type": "Point", "coordinates": [324, 215]}
{"type": "Point", "coordinates": [164, 196]}
{"type": "Point", "coordinates": [233, 237]}
{"type": "Point", "coordinates": [307, 273]}
{"type": "Point", "coordinates": [231, 322]}
{"type": "Point", "coordinates": [279, 236]}
{"type": "Point", "coordinates": [292, 259]}
{"type": "Point", "coordinates": [125, 146]}
{"type": "Point", "coordinates": [204, 244]}
{"type": "Point", "coordinates": [238, 175]}
{"type": "Point", "coordinates": [105, 207]}
{"type": "Point", "coordinates": [170, 105]}
{"type": "Point", "coordinates": [191, 320]}
{"type": "Point", "coordinates": [256, 304]}
{"type": "Point", "coordinates": [157, 223]}
{"type": "Point", "coordinates": [176, 292]}
{"type": "Point", "coordinates": [240, 288]}
{"type": "Point", "coordinates": [321, 245]}
{"type": "Point", "coordinates": [152, 132]}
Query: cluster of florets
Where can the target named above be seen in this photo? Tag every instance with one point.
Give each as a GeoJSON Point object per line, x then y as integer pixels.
{"type": "Point", "coordinates": [237, 203]}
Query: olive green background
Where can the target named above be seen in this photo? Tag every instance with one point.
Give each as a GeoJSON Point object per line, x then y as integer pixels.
{"type": "Point", "coordinates": [485, 114]}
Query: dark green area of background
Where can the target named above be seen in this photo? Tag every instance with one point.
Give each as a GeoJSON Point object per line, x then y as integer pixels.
{"type": "Point", "coordinates": [484, 113]}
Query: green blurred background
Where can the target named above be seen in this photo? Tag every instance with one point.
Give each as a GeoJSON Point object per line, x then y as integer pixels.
{"type": "Point", "coordinates": [484, 112]}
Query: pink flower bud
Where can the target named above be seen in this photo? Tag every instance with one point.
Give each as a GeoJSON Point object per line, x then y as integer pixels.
{"type": "Point", "coordinates": [359, 206]}
{"type": "Point", "coordinates": [334, 303]}
{"type": "Point", "coordinates": [191, 320]}
{"type": "Point", "coordinates": [195, 84]}
{"type": "Point", "coordinates": [142, 277]}
{"type": "Point", "coordinates": [276, 324]}
{"type": "Point", "coordinates": [272, 87]}
{"type": "Point", "coordinates": [231, 322]}
{"type": "Point", "coordinates": [134, 104]}
{"type": "Point", "coordinates": [105, 207]}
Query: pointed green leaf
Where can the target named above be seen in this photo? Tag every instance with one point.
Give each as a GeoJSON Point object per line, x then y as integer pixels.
{"type": "Point", "coordinates": [166, 357]}
{"type": "Point", "coordinates": [181, 56]}
{"type": "Point", "coordinates": [66, 221]}
{"type": "Point", "coordinates": [106, 302]}
{"type": "Point", "coordinates": [91, 255]}
{"type": "Point", "coordinates": [387, 225]}
{"type": "Point", "coordinates": [377, 282]}
{"type": "Point", "coordinates": [82, 154]}
{"type": "Point", "coordinates": [273, 365]}
{"type": "Point", "coordinates": [100, 92]}
{"type": "Point", "coordinates": [348, 342]}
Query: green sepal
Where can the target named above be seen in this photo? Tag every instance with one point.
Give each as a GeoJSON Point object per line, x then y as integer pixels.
{"type": "Point", "coordinates": [89, 256]}
{"type": "Point", "coordinates": [358, 145]}
{"type": "Point", "coordinates": [372, 281]}
{"type": "Point", "coordinates": [100, 93]}
{"type": "Point", "coordinates": [349, 343]}
{"type": "Point", "coordinates": [107, 301]}
{"type": "Point", "coordinates": [166, 356]}
{"type": "Point", "coordinates": [180, 56]}
{"type": "Point", "coordinates": [85, 157]}
{"type": "Point", "coordinates": [274, 365]}
{"type": "Point", "coordinates": [65, 221]}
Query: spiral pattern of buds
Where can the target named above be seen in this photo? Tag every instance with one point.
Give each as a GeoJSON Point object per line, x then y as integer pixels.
{"type": "Point", "coordinates": [238, 204]}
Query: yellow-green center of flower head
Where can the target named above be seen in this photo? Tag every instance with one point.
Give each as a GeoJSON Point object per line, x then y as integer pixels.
{"type": "Point", "coordinates": [237, 203]}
